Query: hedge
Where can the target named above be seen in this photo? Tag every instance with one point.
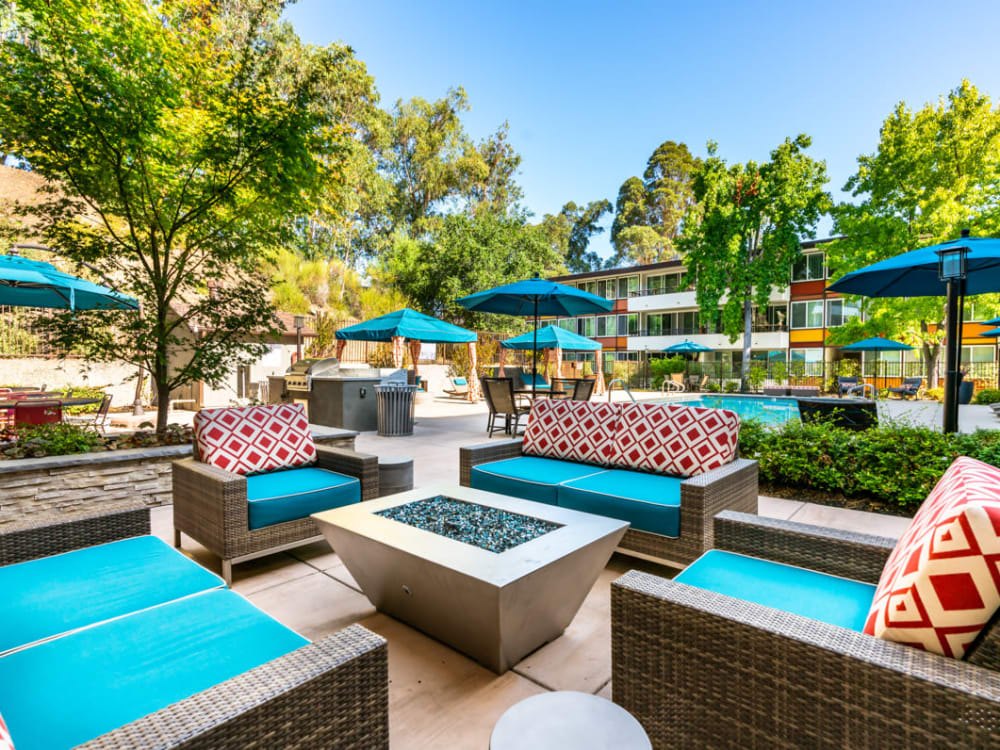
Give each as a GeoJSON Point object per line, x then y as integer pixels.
{"type": "Point", "coordinates": [892, 464]}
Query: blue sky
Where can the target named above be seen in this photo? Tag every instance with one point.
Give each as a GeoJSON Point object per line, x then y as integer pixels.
{"type": "Point", "coordinates": [590, 89]}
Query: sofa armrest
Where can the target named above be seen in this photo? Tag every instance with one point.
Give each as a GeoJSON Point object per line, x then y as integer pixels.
{"type": "Point", "coordinates": [331, 694]}
{"type": "Point", "coordinates": [353, 464]}
{"type": "Point", "coordinates": [840, 553]}
{"type": "Point", "coordinates": [484, 453]}
{"type": "Point", "coordinates": [753, 675]}
{"type": "Point", "coordinates": [54, 532]}
{"type": "Point", "coordinates": [730, 487]}
{"type": "Point", "coordinates": [207, 500]}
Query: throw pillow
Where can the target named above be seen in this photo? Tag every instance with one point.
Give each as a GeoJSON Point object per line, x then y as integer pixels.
{"type": "Point", "coordinates": [941, 584]}
{"type": "Point", "coordinates": [581, 431]}
{"type": "Point", "coordinates": [254, 439]}
{"type": "Point", "coordinates": [675, 439]}
{"type": "Point", "coordinates": [6, 743]}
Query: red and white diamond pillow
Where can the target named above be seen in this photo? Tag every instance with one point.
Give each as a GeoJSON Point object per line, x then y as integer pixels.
{"type": "Point", "coordinates": [675, 439]}
{"type": "Point", "coordinates": [6, 743]}
{"type": "Point", "coordinates": [941, 584]}
{"type": "Point", "coordinates": [581, 431]}
{"type": "Point", "coordinates": [254, 439]}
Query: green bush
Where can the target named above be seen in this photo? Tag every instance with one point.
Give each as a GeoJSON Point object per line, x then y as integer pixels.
{"type": "Point", "coordinates": [83, 392]}
{"type": "Point", "coordinates": [893, 464]}
{"type": "Point", "coordinates": [60, 439]}
{"type": "Point", "coordinates": [712, 387]}
{"type": "Point", "coordinates": [731, 386]}
{"type": "Point", "coordinates": [987, 396]}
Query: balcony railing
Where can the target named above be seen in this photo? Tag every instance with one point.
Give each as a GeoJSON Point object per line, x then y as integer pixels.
{"type": "Point", "coordinates": [703, 330]}
{"type": "Point", "coordinates": [650, 292]}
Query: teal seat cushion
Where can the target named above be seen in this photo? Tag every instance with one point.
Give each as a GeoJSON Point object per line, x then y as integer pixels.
{"type": "Point", "coordinates": [540, 382]}
{"type": "Point", "coordinates": [53, 595]}
{"type": "Point", "coordinates": [459, 381]}
{"type": "Point", "coordinates": [280, 496]}
{"type": "Point", "coordinates": [837, 601]}
{"type": "Point", "coordinates": [528, 477]}
{"type": "Point", "coordinates": [69, 690]}
{"type": "Point", "coordinates": [649, 502]}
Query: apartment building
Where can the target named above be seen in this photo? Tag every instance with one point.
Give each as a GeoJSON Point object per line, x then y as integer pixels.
{"type": "Point", "coordinates": [653, 310]}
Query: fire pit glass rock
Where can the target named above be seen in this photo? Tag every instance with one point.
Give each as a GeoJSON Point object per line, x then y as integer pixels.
{"type": "Point", "coordinates": [488, 528]}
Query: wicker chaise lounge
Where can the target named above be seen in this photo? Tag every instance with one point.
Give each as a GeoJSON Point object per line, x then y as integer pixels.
{"type": "Point", "coordinates": [331, 694]}
{"type": "Point", "coordinates": [702, 669]}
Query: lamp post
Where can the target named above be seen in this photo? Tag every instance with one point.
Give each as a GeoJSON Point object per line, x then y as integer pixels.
{"type": "Point", "coordinates": [952, 271]}
{"type": "Point", "coordinates": [300, 323]}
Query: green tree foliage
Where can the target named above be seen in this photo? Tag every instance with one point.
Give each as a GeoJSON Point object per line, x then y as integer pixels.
{"type": "Point", "coordinates": [649, 213]}
{"type": "Point", "coordinates": [570, 232]}
{"type": "Point", "coordinates": [744, 234]}
{"type": "Point", "coordinates": [465, 255]}
{"type": "Point", "coordinates": [189, 131]}
{"type": "Point", "coordinates": [935, 172]}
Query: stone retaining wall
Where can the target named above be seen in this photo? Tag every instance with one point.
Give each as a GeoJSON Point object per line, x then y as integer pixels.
{"type": "Point", "coordinates": [33, 485]}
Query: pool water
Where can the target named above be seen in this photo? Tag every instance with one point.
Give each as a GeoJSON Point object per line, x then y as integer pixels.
{"type": "Point", "coordinates": [768, 409]}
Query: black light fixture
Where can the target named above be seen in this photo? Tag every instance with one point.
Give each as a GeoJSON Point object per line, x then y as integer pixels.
{"type": "Point", "coordinates": [952, 270]}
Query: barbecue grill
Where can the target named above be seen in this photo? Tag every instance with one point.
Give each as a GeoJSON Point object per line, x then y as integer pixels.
{"type": "Point", "coordinates": [334, 394]}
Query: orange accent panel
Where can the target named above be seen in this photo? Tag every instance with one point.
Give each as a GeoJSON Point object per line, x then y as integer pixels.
{"type": "Point", "coordinates": [807, 289]}
{"type": "Point", "coordinates": [806, 336]}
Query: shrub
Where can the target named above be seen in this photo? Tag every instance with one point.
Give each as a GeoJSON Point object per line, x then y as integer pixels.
{"type": "Point", "coordinates": [894, 464]}
{"type": "Point", "coordinates": [83, 392]}
{"type": "Point", "coordinates": [731, 386]}
{"type": "Point", "coordinates": [712, 387]}
{"type": "Point", "coordinates": [987, 396]}
{"type": "Point", "coordinates": [936, 393]}
{"type": "Point", "coordinates": [60, 439]}
{"type": "Point", "coordinates": [756, 376]}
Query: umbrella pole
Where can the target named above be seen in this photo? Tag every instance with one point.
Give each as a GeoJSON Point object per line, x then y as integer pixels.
{"type": "Point", "coordinates": [534, 356]}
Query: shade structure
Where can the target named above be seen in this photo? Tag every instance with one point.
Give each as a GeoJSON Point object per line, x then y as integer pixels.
{"type": "Point", "coordinates": [687, 347]}
{"type": "Point", "coordinates": [536, 297]}
{"type": "Point", "coordinates": [552, 337]}
{"type": "Point", "coordinates": [407, 324]}
{"type": "Point", "coordinates": [34, 283]}
{"type": "Point", "coordinates": [876, 344]}
{"type": "Point", "coordinates": [991, 332]}
{"type": "Point", "coordinates": [991, 322]}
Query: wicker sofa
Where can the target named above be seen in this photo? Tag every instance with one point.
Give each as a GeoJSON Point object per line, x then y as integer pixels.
{"type": "Point", "coordinates": [107, 656]}
{"type": "Point", "coordinates": [673, 531]}
{"type": "Point", "coordinates": [755, 676]}
{"type": "Point", "coordinates": [240, 518]}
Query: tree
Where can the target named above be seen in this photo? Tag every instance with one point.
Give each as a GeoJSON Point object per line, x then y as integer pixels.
{"type": "Point", "coordinates": [935, 172]}
{"type": "Point", "coordinates": [743, 235]}
{"type": "Point", "coordinates": [191, 133]}
{"type": "Point", "coordinates": [570, 232]}
{"type": "Point", "coordinates": [649, 213]}
{"type": "Point", "coordinates": [466, 255]}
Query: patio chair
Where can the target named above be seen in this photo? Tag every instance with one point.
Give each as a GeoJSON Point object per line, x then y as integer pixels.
{"type": "Point", "coordinates": [459, 388]}
{"type": "Point", "coordinates": [853, 414]}
{"type": "Point", "coordinates": [502, 402]}
{"type": "Point", "coordinates": [37, 411]}
{"type": "Point", "coordinates": [244, 495]}
{"type": "Point", "coordinates": [761, 643]}
{"type": "Point", "coordinates": [583, 390]}
{"type": "Point", "coordinates": [850, 385]}
{"type": "Point", "coordinates": [909, 388]}
{"type": "Point", "coordinates": [98, 419]}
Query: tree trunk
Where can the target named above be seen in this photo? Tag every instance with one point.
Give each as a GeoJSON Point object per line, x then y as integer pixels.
{"type": "Point", "coordinates": [747, 334]}
{"type": "Point", "coordinates": [162, 405]}
{"type": "Point", "coordinates": [932, 352]}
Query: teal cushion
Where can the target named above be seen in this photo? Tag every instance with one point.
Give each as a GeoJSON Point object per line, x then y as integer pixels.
{"type": "Point", "coordinates": [459, 381]}
{"type": "Point", "coordinates": [650, 502]}
{"type": "Point", "coordinates": [540, 382]}
{"type": "Point", "coordinates": [53, 595]}
{"type": "Point", "coordinates": [66, 691]}
{"type": "Point", "coordinates": [529, 477]}
{"type": "Point", "coordinates": [280, 496]}
{"type": "Point", "coordinates": [838, 601]}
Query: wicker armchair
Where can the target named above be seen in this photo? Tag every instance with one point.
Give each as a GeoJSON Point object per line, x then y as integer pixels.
{"type": "Point", "coordinates": [210, 506]}
{"type": "Point", "coordinates": [333, 693]}
{"type": "Point", "coordinates": [733, 487]}
{"type": "Point", "coordinates": [700, 669]}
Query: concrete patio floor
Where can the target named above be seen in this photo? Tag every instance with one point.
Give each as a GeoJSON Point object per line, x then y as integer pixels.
{"type": "Point", "coordinates": [438, 697]}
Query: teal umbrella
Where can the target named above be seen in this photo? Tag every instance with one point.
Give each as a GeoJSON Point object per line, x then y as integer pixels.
{"type": "Point", "coordinates": [877, 344]}
{"type": "Point", "coordinates": [687, 347]}
{"type": "Point", "coordinates": [33, 283]}
{"type": "Point", "coordinates": [551, 337]}
{"type": "Point", "coordinates": [409, 324]}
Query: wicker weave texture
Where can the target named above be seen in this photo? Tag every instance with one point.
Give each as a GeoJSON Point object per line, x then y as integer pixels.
{"type": "Point", "coordinates": [330, 694]}
{"type": "Point", "coordinates": [699, 669]}
{"type": "Point", "coordinates": [55, 532]}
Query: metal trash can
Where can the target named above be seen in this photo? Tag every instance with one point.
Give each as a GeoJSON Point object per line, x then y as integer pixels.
{"type": "Point", "coordinates": [395, 409]}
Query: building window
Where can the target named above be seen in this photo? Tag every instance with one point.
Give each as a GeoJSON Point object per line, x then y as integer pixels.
{"type": "Point", "coordinates": [606, 325]}
{"type": "Point", "coordinates": [807, 314]}
{"type": "Point", "coordinates": [627, 285]}
{"type": "Point", "coordinates": [806, 361]}
{"type": "Point", "coordinates": [567, 324]}
{"type": "Point", "coordinates": [971, 354]}
{"type": "Point", "coordinates": [628, 325]}
{"type": "Point", "coordinates": [839, 311]}
{"type": "Point", "coordinates": [808, 268]}
{"type": "Point", "coordinates": [585, 326]}
{"type": "Point", "coordinates": [654, 324]}
{"type": "Point", "coordinates": [773, 318]}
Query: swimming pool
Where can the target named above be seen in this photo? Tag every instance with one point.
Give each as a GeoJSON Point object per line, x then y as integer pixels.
{"type": "Point", "coordinates": [769, 409]}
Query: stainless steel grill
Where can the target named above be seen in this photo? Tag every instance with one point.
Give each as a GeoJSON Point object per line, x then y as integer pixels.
{"type": "Point", "coordinates": [299, 375]}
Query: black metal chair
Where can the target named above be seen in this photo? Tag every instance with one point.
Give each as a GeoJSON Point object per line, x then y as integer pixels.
{"type": "Point", "coordinates": [850, 385]}
{"type": "Point", "coordinates": [499, 394]}
{"type": "Point", "coordinates": [583, 390]}
{"type": "Point", "coordinates": [852, 415]}
{"type": "Point", "coordinates": [909, 388]}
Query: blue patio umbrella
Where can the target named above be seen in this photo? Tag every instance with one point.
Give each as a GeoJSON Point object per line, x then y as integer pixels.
{"type": "Point", "coordinates": [409, 324]}
{"type": "Point", "coordinates": [687, 347]}
{"type": "Point", "coordinates": [552, 337]}
{"type": "Point", "coordinates": [33, 283]}
{"type": "Point", "coordinates": [877, 344]}
{"type": "Point", "coordinates": [990, 322]}
{"type": "Point", "coordinates": [995, 333]}
{"type": "Point", "coordinates": [917, 274]}
{"type": "Point", "coordinates": [535, 297]}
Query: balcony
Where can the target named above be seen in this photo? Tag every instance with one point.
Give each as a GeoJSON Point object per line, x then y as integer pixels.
{"type": "Point", "coordinates": [765, 337]}
{"type": "Point", "coordinates": [647, 300]}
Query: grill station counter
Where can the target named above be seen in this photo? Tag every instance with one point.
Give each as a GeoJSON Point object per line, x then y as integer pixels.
{"type": "Point", "coordinates": [334, 394]}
